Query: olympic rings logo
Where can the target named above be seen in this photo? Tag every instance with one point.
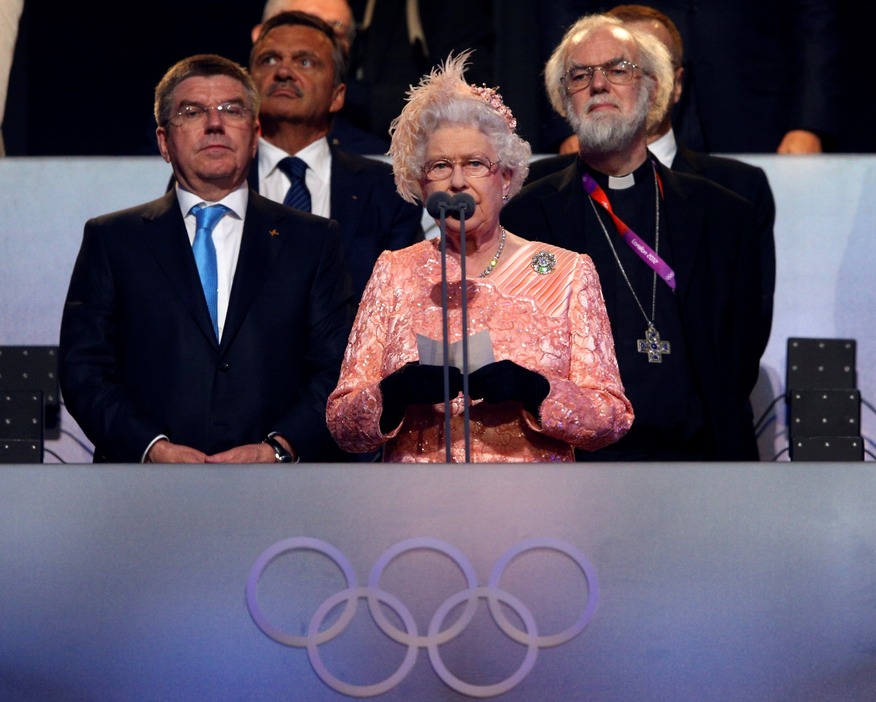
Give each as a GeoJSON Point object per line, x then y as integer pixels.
{"type": "Point", "coordinates": [435, 635]}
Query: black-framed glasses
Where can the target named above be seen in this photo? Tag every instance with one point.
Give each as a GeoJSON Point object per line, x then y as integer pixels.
{"type": "Point", "coordinates": [232, 114]}
{"type": "Point", "coordinates": [618, 73]}
{"type": "Point", "coordinates": [473, 166]}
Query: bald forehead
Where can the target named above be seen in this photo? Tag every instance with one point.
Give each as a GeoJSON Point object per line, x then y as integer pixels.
{"type": "Point", "coordinates": [659, 31]}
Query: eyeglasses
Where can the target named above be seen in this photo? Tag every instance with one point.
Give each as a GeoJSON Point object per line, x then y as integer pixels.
{"type": "Point", "coordinates": [474, 167]}
{"type": "Point", "coordinates": [195, 116]}
{"type": "Point", "coordinates": [618, 73]}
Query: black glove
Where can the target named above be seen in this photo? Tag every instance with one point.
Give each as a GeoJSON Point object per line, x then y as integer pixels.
{"type": "Point", "coordinates": [413, 384]}
{"type": "Point", "coordinates": [505, 381]}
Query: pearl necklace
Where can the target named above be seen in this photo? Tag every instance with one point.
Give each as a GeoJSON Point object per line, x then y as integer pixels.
{"type": "Point", "coordinates": [495, 260]}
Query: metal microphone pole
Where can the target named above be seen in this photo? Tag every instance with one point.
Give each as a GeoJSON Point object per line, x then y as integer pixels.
{"type": "Point", "coordinates": [436, 206]}
{"type": "Point", "coordinates": [466, 426]}
{"type": "Point", "coordinates": [442, 232]}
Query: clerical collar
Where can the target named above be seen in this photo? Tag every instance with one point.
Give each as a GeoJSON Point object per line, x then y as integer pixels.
{"type": "Point", "coordinates": [643, 174]}
{"type": "Point", "coordinates": [622, 183]}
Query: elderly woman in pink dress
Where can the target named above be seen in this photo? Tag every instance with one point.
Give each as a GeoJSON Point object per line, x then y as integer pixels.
{"type": "Point", "coordinates": [551, 383]}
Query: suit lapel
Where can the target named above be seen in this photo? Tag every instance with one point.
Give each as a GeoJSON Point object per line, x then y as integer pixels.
{"type": "Point", "coordinates": [685, 221]}
{"type": "Point", "coordinates": [260, 244]}
{"type": "Point", "coordinates": [253, 176]}
{"type": "Point", "coordinates": [348, 196]}
{"type": "Point", "coordinates": [165, 236]}
{"type": "Point", "coordinates": [686, 161]}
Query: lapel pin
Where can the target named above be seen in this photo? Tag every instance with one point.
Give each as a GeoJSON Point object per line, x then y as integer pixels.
{"type": "Point", "coordinates": [274, 232]}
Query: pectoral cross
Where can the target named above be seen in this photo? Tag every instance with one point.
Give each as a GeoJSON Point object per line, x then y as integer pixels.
{"type": "Point", "coordinates": [653, 346]}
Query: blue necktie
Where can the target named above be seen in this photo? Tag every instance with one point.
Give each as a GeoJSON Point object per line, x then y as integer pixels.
{"type": "Point", "coordinates": [298, 196]}
{"type": "Point", "coordinates": [205, 256]}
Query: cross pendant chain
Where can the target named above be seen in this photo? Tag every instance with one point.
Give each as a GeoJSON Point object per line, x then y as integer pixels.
{"type": "Point", "coordinates": [653, 345]}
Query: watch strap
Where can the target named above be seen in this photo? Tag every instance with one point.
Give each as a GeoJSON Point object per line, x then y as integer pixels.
{"type": "Point", "coordinates": [281, 455]}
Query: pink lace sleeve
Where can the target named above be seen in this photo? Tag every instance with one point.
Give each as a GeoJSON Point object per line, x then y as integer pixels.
{"type": "Point", "coordinates": [589, 408]}
{"type": "Point", "coordinates": [354, 407]}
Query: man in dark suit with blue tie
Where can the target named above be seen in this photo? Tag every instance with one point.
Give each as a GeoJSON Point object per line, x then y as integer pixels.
{"type": "Point", "coordinates": [298, 65]}
{"type": "Point", "coordinates": [158, 362]}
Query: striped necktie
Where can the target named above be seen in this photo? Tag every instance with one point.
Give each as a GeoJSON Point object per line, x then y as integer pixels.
{"type": "Point", "coordinates": [298, 196]}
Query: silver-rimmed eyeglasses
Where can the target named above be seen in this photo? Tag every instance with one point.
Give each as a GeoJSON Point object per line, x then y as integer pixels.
{"type": "Point", "coordinates": [232, 114]}
{"type": "Point", "coordinates": [618, 73]}
{"type": "Point", "coordinates": [473, 166]}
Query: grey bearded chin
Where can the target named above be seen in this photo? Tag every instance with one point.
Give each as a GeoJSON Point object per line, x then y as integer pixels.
{"type": "Point", "coordinates": [608, 133]}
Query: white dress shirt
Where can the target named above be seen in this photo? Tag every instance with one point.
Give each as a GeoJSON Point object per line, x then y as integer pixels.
{"type": "Point", "coordinates": [664, 148]}
{"type": "Point", "coordinates": [274, 184]}
{"type": "Point", "coordinates": [227, 236]}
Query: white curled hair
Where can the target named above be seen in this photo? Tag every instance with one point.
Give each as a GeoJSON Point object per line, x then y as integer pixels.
{"type": "Point", "coordinates": [442, 98]}
{"type": "Point", "coordinates": [653, 58]}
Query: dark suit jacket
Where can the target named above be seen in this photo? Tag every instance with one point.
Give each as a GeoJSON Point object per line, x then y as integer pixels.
{"type": "Point", "coordinates": [743, 179]}
{"type": "Point", "coordinates": [347, 137]}
{"type": "Point", "coordinates": [751, 183]}
{"type": "Point", "coordinates": [138, 356]}
{"type": "Point", "coordinates": [372, 215]}
{"type": "Point", "coordinates": [717, 264]}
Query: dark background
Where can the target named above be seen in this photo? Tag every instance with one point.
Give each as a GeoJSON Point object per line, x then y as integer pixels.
{"type": "Point", "coordinates": [84, 72]}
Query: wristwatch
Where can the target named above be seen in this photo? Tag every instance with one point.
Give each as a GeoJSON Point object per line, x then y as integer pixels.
{"type": "Point", "coordinates": [281, 455]}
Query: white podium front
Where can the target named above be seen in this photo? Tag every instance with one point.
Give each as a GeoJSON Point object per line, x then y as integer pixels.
{"type": "Point", "coordinates": [579, 582]}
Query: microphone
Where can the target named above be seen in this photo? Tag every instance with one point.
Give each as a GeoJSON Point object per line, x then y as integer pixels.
{"type": "Point", "coordinates": [456, 206]}
{"type": "Point", "coordinates": [437, 202]}
{"type": "Point", "coordinates": [464, 206]}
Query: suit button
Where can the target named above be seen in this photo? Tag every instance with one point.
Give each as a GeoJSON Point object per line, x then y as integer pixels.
{"type": "Point", "coordinates": [223, 366]}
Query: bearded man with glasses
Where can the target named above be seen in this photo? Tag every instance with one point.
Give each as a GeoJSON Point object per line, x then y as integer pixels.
{"type": "Point", "coordinates": [678, 256]}
{"type": "Point", "coordinates": [194, 339]}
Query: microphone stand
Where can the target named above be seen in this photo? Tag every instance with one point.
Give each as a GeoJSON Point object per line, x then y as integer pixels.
{"type": "Point", "coordinates": [438, 205]}
{"type": "Point", "coordinates": [464, 302]}
{"type": "Point", "coordinates": [442, 226]}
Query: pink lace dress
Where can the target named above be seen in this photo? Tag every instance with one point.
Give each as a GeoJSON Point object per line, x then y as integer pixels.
{"type": "Point", "coordinates": [554, 324]}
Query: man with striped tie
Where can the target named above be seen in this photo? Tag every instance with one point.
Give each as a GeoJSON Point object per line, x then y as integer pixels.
{"type": "Point", "coordinates": [298, 64]}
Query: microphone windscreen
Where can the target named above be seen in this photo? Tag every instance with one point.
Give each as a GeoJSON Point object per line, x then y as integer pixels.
{"type": "Point", "coordinates": [463, 206]}
{"type": "Point", "coordinates": [437, 202]}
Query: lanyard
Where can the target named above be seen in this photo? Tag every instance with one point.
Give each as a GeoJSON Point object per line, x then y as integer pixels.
{"type": "Point", "coordinates": [657, 264]}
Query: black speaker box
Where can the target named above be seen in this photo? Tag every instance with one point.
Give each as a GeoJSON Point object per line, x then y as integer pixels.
{"type": "Point", "coordinates": [30, 369]}
{"type": "Point", "coordinates": [20, 451]}
{"type": "Point", "coordinates": [820, 364]}
{"type": "Point", "coordinates": [827, 448]}
{"type": "Point", "coordinates": [824, 413]}
{"type": "Point", "coordinates": [21, 415]}
{"type": "Point", "coordinates": [21, 427]}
